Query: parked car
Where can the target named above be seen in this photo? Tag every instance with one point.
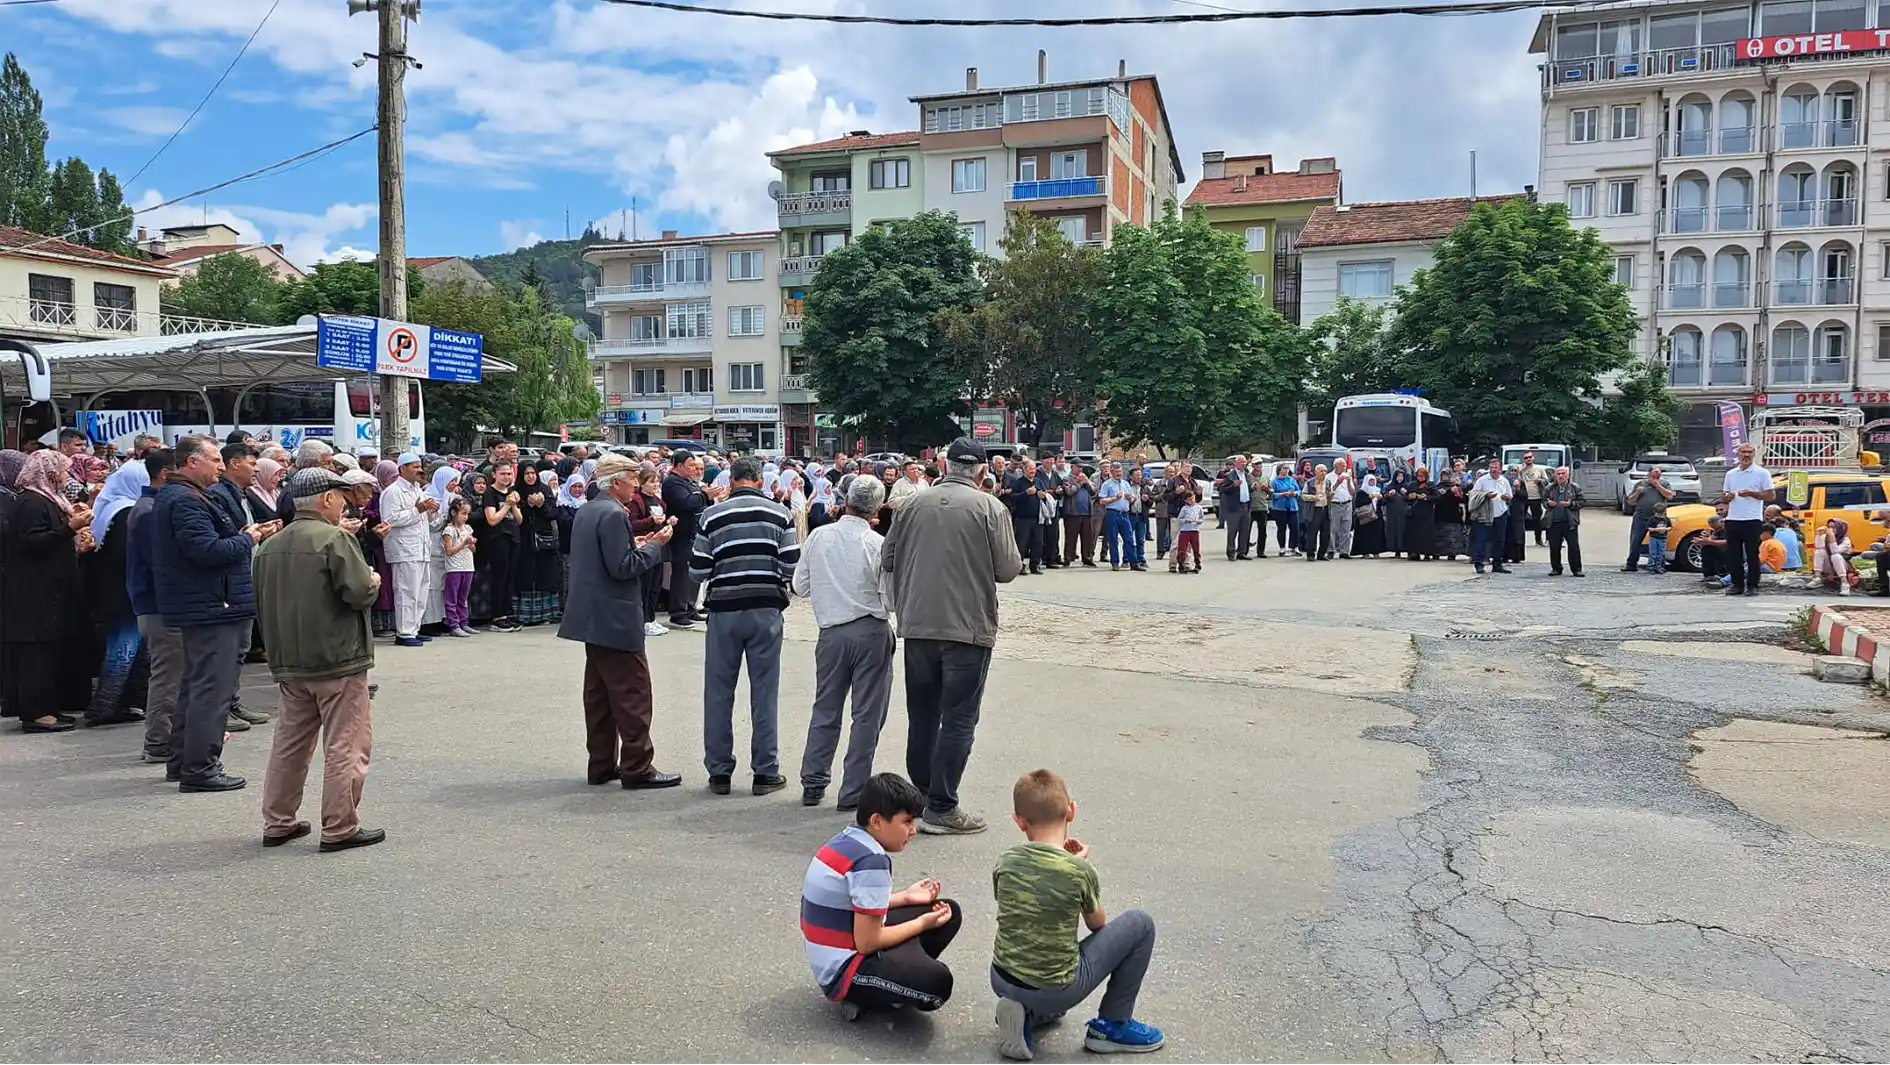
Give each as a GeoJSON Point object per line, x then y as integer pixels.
{"type": "Point", "coordinates": [1204, 486]}
{"type": "Point", "coordinates": [1675, 470]}
{"type": "Point", "coordinates": [1858, 498]}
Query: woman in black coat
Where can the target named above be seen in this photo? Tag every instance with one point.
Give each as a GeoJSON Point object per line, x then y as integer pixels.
{"type": "Point", "coordinates": [1420, 516]}
{"type": "Point", "coordinates": [45, 640]}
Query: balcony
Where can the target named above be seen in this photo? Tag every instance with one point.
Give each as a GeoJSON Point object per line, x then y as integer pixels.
{"type": "Point", "coordinates": [1732, 295]}
{"type": "Point", "coordinates": [794, 389]}
{"type": "Point", "coordinates": [1823, 292]}
{"type": "Point", "coordinates": [53, 313]}
{"type": "Point", "coordinates": [116, 319]}
{"type": "Point", "coordinates": [1056, 188]}
{"type": "Point", "coordinates": [1694, 143]}
{"type": "Point", "coordinates": [790, 330]}
{"type": "Point", "coordinates": [799, 269]}
{"type": "Point", "coordinates": [1732, 218]}
{"type": "Point", "coordinates": [1830, 133]}
{"type": "Point", "coordinates": [1659, 62]}
{"type": "Point", "coordinates": [652, 347]}
{"type": "Point", "coordinates": [1811, 214]}
{"type": "Point", "coordinates": [833, 208]}
{"type": "Point", "coordinates": [596, 295]}
{"type": "Point", "coordinates": [1685, 219]}
{"type": "Point", "coordinates": [1692, 373]}
{"type": "Point", "coordinates": [1686, 297]}
{"type": "Point", "coordinates": [1815, 372]}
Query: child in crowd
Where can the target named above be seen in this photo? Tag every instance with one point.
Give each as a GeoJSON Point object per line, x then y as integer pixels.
{"type": "Point", "coordinates": [1189, 539]}
{"type": "Point", "coordinates": [1657, 531]}
{"type": "Point", "coordinates": [1786, 533]}
{"type": "Point", "coordinates": [870, 946]}
{"type": "Point", "coordinates": [1771, 552]}
{"type": "Point", "coordinates": [1038, 968]}
{"type": "Point", "coordinates": [456, 593]}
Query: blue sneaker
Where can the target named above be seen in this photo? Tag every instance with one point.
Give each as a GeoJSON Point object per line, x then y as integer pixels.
{"type": "Point", "coordinates": [409, 641]}
{"type": "Point", "coordinates": [1014, 1038]}
{"type": "Point", "coordinates": [1725, 582]}
{"type": "Point", "coordinates": [1121, 1037]}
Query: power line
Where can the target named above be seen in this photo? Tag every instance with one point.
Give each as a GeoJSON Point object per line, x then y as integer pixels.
{"type": "Point", "coordinates": [206, 96]}
{"type": "Point", "coordinates": [23, 3]}
{"type": "Point", "coordinates": [1480, 7]}
{"type": "Point", "coordinates": [279, 167]}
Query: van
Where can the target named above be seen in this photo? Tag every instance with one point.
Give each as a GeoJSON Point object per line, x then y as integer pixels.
{"type": "Point", "coordinates": [1548, 456]}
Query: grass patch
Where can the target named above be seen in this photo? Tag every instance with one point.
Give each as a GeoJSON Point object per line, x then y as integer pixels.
{"type": "Point", "coordinates": [1806, 630]}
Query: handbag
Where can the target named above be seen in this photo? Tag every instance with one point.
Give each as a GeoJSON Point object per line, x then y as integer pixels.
{"type": "Point", "coordinates": [544, 541]}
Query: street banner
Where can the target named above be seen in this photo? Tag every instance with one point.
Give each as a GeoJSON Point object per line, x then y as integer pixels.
{"type": "Point", "coordinates": [1732, 429]}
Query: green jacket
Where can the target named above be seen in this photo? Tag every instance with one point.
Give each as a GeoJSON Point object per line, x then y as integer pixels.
{"type": "Point", "coordinates": [313, 591]}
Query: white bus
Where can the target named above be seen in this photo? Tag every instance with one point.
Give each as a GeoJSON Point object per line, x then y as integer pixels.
{"type": "Point", "coordinates": [342, 412]}
{"type": "Point", "coordinates": [1409, 427]}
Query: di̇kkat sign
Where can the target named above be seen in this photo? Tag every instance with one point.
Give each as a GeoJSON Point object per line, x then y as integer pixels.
{"type": "Point", "coordinates": [1756, 48]}
{"type": "Point", "coordinates": [403, 349]}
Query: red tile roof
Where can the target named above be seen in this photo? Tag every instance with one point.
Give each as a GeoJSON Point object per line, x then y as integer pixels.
{"type": "Point", "coordinates": [852, 144]}
{"type": "Point", "coordinates": [1293, 187]}
{"type": "Point", "coordinates": [12, 239]}
{"type": "Point", "coordinates": [429, 261]}
{"type": "Point", "coordinates": [1390, 223]}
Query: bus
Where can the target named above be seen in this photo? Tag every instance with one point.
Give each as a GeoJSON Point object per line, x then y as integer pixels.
{"type": "Point", "coordinates": [1409, 427]}
{"type": "Point", "coordinates": [341, 412]}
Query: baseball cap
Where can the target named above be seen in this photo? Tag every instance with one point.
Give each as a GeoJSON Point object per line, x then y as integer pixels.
{"type": "Point", "coordinates": [354, 477]}
{"type": "Point", "coordinates": [313, 482]}
{"type": "Point", "coordinates": [965, 449]}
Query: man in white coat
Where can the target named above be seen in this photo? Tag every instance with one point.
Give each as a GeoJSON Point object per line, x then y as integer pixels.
{"type": "Point", "coordinates": [408, 511]}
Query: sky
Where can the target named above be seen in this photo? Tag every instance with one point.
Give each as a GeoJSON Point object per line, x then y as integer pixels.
{"type": "Point", "coordinates": [527, 113]}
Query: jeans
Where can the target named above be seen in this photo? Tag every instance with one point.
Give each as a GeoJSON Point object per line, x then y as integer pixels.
{"type": "Point", "coordinates": [753, 634]}
{"type": "Point", "coordinates": [1118, 952]}
{"type": "Point", "coordinates": [1138, 538]}
{"type": "Point", "coordinates": [1635, 535]}
{"type": "Point", "coordinates": [1489, 541]}
{"type": "Point", "coordinates": [1657, 554]}
{"type": "Point", "coordinates": [1116, 532]}
{"type": "Point", "coordinates": [944, 690]}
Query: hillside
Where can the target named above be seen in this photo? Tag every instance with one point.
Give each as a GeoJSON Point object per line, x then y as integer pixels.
{"type": "Point", "coordinates": [557, 262]}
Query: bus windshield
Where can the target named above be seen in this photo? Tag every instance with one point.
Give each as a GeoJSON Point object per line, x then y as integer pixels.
{"type": "Point", "coordinates": [1376, 427]}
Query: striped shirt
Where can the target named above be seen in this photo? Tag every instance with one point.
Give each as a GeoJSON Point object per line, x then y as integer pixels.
{"type": "Point", "coordinates": [745, 553]}
{"type": "Point", "coordinates": [851, 874]}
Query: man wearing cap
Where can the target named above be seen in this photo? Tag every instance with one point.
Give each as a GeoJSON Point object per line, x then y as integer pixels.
{"type": "Point", "coordinates": [604, 611]}
{"type": "Point", "coordinates": [313, 592]}
{"type": "Point", "coordinates": [409, 513]}
{"type": "Point", "coordinates": [947, 553]}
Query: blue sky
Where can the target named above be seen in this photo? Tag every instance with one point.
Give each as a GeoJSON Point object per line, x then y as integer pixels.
{"type": "Point", "coordinates": [528, 109]}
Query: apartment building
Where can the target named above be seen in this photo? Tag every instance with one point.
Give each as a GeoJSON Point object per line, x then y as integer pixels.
{"type": "Point", "coordinates": [52, 290]}
{"type": "Point", "coordinates": [1267, 209]}
{"type": "Point", "coordinates": [691, 340]}
{"type": "Point", "coordinates": [1724, 151]}
{"type": "Point", "coordinates": [185, 248]}
{"type": "Point", "coordinates": [1366, 251]}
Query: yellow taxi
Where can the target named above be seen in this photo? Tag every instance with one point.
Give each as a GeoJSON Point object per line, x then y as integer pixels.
{"type": "Point", "coordinates": [1858, 498]}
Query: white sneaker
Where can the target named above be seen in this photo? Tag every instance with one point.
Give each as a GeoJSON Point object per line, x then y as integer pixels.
{"type": "Point", "coordinates": [651, 628]}
{"type": "Point", "coordinates": [1843, 588]}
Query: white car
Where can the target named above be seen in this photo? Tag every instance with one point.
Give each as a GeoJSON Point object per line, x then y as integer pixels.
{"type": "Point", "coordinates": [1203, 486]}
{"type": "Point", "coordinates": [1676, 471]}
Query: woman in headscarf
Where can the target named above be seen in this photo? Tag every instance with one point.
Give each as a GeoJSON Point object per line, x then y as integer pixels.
{"type": "Point", "coordinates": [385, 473]}
{"type": "Point", "coordinates": [570, 498]}
{"type": "Point", "coordinates": [588, 472]}
{"type": "Point", "coordinates": [1392, 507]}
{"type": "Point", "coordinates": [263, 493]}
{"type": "Point", "coordinates": [536, 597]}
{"type": "Point", "coordinates": [85, 478]}
{"type": "Point", "coordinates": [442, 489]}
{"type": "Point", "coordinates": [1420, 517]}
{"type": "Point", "coordinates": [1831, 562]}
{"type": "Point", "coordinates": [1368, 525]}
{"type": "Point", "coordinates": [1453, 531]}
{"type": "Point", "coordinates": [124, 671]}
{"type": "Point", "coordinates": [45, 641]}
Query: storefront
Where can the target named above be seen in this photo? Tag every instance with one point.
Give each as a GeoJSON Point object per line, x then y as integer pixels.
{"type": "Point", "coordinates": [637, 424]}
{"type": "Point", "coordinates": [749, 426]}
{"type": "Point", "coordinates": [797, 422]}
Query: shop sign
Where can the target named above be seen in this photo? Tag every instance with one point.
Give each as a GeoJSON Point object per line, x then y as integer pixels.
{"type": "Point", "coordinates": [1821, 399]}
{"type": "Point", "coordinates": [748, 412]}
{"type": "Point", "coordinates": [691, 402]}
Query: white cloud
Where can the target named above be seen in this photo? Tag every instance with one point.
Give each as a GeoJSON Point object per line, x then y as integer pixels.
{"type": "Point", "coordinates": [149, 121]}
{"type": "Point", "coordinates": [305, 238]}
{"type": "Point", "coordinates": [347, 254]}
{"type": "Point", "coordinates": [516, 235]}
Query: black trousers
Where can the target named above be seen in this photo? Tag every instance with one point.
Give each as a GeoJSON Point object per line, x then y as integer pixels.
{"type": "Point", "coordinates": [1561, 533]}
{"type": "Point", "coordinates": [1713, 560]}
{"type": "Point", "coordinates": [944, 691]}
{"type": "Point", "coordinates": [498, 556]}
{"type": "Point", "coordinates": [650, 586]}
{"type": "Point", "coordinates": [1044, 546]}
{"type": "Point", "coordinates": [1024, 531]}
{"type": "Point", "coordinates": [1286, 529]}
{"type": "Point", "coordinates": [909, 974]}
{"type": "Point", "coordinates": [1742, 551]}
{"type": "Point", "coordinates": [1532, 509]}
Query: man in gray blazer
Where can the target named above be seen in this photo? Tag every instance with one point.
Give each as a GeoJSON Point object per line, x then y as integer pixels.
{"type": "Point", "coordinates": [604, 612]}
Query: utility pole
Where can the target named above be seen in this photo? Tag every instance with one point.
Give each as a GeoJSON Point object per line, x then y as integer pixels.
{"type": "Point", "coordinates": [392, 113]}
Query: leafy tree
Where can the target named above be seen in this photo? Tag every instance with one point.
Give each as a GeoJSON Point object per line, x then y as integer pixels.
{"type": "Point", "coordinates": [23, 177]}
{"type": "Point", "coordinates": [553, 382]}
{"type": "Point", "coordinates": [1514, 325]}
{"type": "Point", "coordinates": [874, 330]}
{"type": "Point", "coordinates": [1640, 415]}
{"type": "Point", "coordinates": [559, 262]}
{"type": "Point", "coordinates": [346, 287]}
{"type": "Point", "coordinates": [1354, 355]}
{"type": "Point", "coordinates": [230, 288]}
{"type": "Point", "coordinates": [1031, 337]}
{"type": "Point", "coordinates": [113, 229]}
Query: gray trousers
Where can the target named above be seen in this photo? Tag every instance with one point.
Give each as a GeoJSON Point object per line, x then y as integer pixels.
{"type": "Point", "coordinates": [213, 664]}
{"type": "Point", "coordinates": [1118, 953]}
{"type": "Point", "coordinates": [856, 656]}
{"type": "Point", "coordinates": [682, 586]}
{"type": "Point", "coordinates": [1340, 515]}
{"type": "Point", "coordinates": [165, 649]}
{"type": "Point", "coordinates": [734, 635]}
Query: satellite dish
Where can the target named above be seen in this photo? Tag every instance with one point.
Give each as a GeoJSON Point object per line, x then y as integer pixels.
{"type": "Point", "coordinates": [307, 320]}
{"type": "Point", "coordinates": [774, 190]}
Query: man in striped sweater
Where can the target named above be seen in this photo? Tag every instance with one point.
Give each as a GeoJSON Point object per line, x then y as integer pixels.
{"type": "Point", "coordinates": [744, 556]}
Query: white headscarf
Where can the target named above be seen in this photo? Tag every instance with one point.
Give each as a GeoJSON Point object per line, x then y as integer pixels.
{"type": "Point", "coordinates": [122, 489]}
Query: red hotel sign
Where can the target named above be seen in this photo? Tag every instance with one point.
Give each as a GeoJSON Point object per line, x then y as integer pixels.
{"type": "Point", "coordinates": [1814, 44]}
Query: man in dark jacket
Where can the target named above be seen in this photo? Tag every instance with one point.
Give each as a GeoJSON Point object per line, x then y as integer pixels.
{"type": "Point", "coordinates": [685, 499]}
{"type": "Point", "coordinates": [1019, 494]}
{"type": "Point", "coordinates": [604, 612]}
{"type": "Point", "coordinates": [200, 559]}
{"type": "Point", "coordinates": [1235, 488]}
{"type": "Point", "coordinates": [164, 646]}
{"type": "Point", "coordinates": [231, 492]}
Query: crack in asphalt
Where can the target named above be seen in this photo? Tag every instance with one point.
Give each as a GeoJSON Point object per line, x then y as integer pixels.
{"type": "Point", "coordinates": [477, 1008]}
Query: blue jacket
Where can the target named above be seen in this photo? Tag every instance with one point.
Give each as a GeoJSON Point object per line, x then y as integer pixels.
{"type": "Point", "coordinates": [139, 583]}
{"type": "Point", "coordinates": [227, 496]}
{"type": "Point", "coordinates": [200, 560]}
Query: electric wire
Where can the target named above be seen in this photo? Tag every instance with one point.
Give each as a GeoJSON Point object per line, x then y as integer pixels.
{"type": "Point", "coordinates": [1477, 7]}
{"type": "Point", "coordinates": [206, 96]}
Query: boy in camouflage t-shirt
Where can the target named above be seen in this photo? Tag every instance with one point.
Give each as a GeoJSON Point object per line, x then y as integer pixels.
{"type": "Point", "coordinates": [1038, 968]}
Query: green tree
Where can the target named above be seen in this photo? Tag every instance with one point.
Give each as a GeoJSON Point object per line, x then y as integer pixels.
{"type": "Point", "coordinates": [1030, 339]}
{"type": "Point", "coordinates": [113, 229]}
{"type": "Point", "coordinates": [553, 382]}
{"type": "Point", "coordinates": [1640, 414]}
{"type": "Point", "coordinates": [230, 288]}
{"type": "Point", "coordinates": [874, 330]}
{"type": "Point", "coordinates": [72, 200]}
{"type": "Point", "coordinates": [1354, 355]}
{"type": "Point", "coordinates": [23, 177]}
{"type": "Point", "coordinates": [1514, 325]}
{"type": "Point", "coordinates": [346, 287]}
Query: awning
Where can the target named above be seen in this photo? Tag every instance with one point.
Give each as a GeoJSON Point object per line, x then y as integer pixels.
{"type": "Point", "coordinates": [687, 420]}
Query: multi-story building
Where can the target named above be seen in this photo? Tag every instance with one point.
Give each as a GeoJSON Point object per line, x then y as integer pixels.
{"type": "Point", "coordinates": [1245, 196]}
{"type": "Point", "coordinates": [1365, 251]}
{"type": "Point", "coordinates": [52, 290]}
{"type": "Point", "coordinates": [1724, 151]}
{"type": "Point", "coordinates": [691, 340]}
{"type": "Point", "coordinates": [185, 248]}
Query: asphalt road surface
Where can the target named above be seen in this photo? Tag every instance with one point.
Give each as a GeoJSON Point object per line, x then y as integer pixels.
{"type": "Point", "coordinates": [1379, 810]}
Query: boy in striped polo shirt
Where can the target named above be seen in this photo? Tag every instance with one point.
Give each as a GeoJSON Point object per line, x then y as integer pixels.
{"type": "Point", "coordinates": [872, 947]}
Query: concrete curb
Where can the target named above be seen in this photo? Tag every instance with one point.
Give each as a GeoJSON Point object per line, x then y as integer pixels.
{"type": "Point", "coordinates": [1848, 638]}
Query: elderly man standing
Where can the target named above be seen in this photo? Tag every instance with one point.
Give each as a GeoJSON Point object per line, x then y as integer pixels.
{"type": "Point", "coordinates": [1019, 494]}
{"type": "Point", "coordinates": [409, 512]}
{"type": "Point", "coordinates": [604, 612]}
{"type": "Point", "coordinates": [313, 591]}
{"type": "Point", "coordinates": [1119, 499]}
{"type": "Point", "coordinates": [1562, 515]}
{"type": "Point", "coordinates": [949, 552]}
{"type": "Point", "coordinates": [840, 570]}
{"type": "Point", "coordinates": [312, 454]}
{"type": "Point", "coordinates": [1235, 488]}
{"type": "Point", "coordinates": [684, 499]}
{"type": "Point", "coordinates": [745, 554]}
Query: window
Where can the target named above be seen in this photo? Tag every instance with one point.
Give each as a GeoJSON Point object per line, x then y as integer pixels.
{"type": "Point", "coordinates": [1624, 270]}
{"type": "Point", "coordinates": [648, 383]}
{"type": "Point", "coordinates": [1581, 200]}
{"type": "Point", "coordinates": [1365, 281]}
{"type": "Point", "coordinates": [646, 329]}
{"type": "Point", "coordinates": [1626, 122]}
{"type": "Point", "coordinates": [974, 232]}
{"type": "Point", "coordinates": [1583, 124]}
{"type": "Point", "coordinates": [1785, 18]}
{"type": "Point", "coordinates": [746, 377]}
{"type": "Point", "coordinates": [826, 241]}
{"type": "Point", "coordinates": [1055, 103]}
{"type": "Point", "coordinates": [116, 307]}
{"type": "Point", "coordinates": [1069, 165]}
{"type": "Point", "coordinates": [1790, 355]}
{"type": "Point", "coordinates": [746, 322]}
{"type": "Point", "coordinates": [1853, 494]}
{"type": "Point", "coordinates": [1683, 357]}
{"type": "Point", "coordinates": [966, 116]}
{"type": "Point", "coordinates": [646, 277]}
{"type": "Point", "coordinates": [1622, 193]}
{"type": "Point", "coordinates": [1259, 283]}
{"type": "Point", "coordinates": [1026, 168]}
{"type": "Point", "coordinates": [1256, 238]}
{"type": "Point", "coordinates": [689, 320]}
{"type": "Point", "coordinates": [685, 266]}
{"type": "Point", "coordinates": [1883, 342]}
{"type": "Point", "coordinates": [967, 175]}
{"type": "Point", "coordinates": [744, 266]}
{"type": "Point", "coordinates": [889, 174]}
{"type": "Point", "coordinates": [1075, 230]}
{"type": "Point", "coordinates": [1883, 250]}
{"type": "Point", "coordinates": [832, 181]}
{"type": "Point", "coordinates": [698, 379]}
{"type": "Point", "coordinates": [49, 299]}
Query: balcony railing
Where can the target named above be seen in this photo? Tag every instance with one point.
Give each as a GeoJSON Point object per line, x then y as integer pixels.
{"type": "Point", "coordinates": [1686, 297]}
{"type": "Point", "coordinates": [1056, 188]}
{"type": "Point", "coordinates": [52, 312]}
{"type": "Point", "coordinates": [1815, 372]}
{"type": "Point", "coordinates": [1692, 142]}
{"type": "Point", "coordinates": [816, 202]}
{"type": "Point", "coordinates": [1731, 294]}
{"type": "Point", "coordinates": [1693, 373]}
{"type": "Point", "coordinates": [1823, 292]}
{"type": "Point", "coordinates": [116, 319]}
{"type": "Point", "coordinates": [1732, 219]}
{"type": "Point", "coordinates": [800, 264]}
{"type": "Point", "coordinates": [791, 323]}
{"type": "Point", "coordinates": [1654, 63]}
{"type": "Point", "coordinates": [1685, 219]}
{"type": "Point", "coordinates": [794, 382]}
{"type": "Point", "coordinates": [1791, 293]}
{"type": "Point", "coordinates": [1806, 214]}
{"type": "Point", "coordinates": [27, 313]}
{"type": "Point", "coordinates": [1726, 219]}
{"type": "Point", "coordinates": [1730, 140]}
{"type": "Point", "coordinates": [595, 294]}
{"type": "Point", "coordinates": [1829, 133]}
